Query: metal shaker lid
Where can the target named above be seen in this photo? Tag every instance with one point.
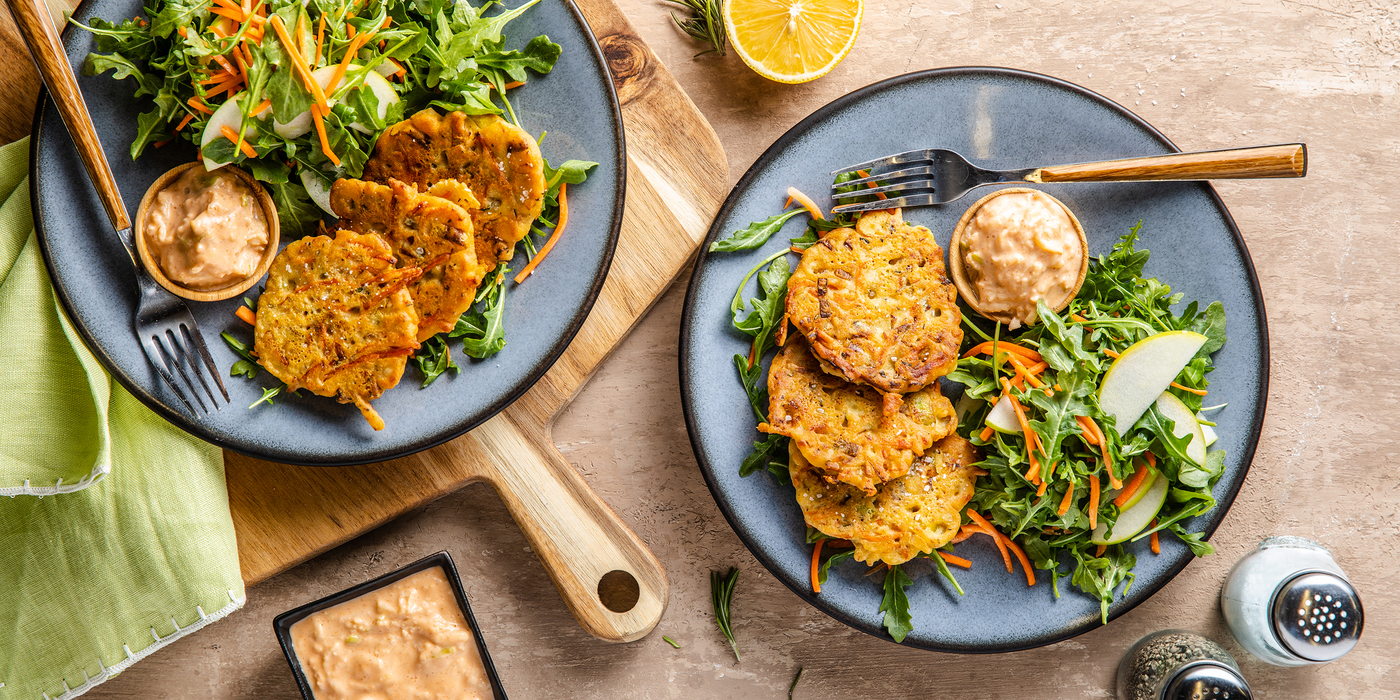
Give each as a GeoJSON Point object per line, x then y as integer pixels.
{"type": "Point", "coordinates": [1317, 616]}
{"type": "Point", "coordinates": [1206, 680]}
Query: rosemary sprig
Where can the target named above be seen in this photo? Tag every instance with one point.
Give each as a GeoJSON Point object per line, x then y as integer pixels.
{"type": "Point", "coordinates": [795, 679]}
{"type": "Point", "coordinates": [722, 591]}
{"type": "Point", "coordinates": [706, 23]}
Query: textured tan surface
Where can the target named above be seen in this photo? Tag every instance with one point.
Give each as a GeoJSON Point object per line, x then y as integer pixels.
{"type": "Point", "coordinates": [1325, 248]}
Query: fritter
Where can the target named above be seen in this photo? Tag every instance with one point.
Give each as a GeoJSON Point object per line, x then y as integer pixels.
{"type": "Point", "coordinates": [428, 232]}
{"type": "Point", "coordinates": [841, 426]}
{"type": "Point", "coordinates": [908, 516]}
{"type": "Point", "coordinates": [336, 318]}
{"type": "Point", "coordinates": [497, 160]}
{"type": "Point", "coordinates": [876, 303]}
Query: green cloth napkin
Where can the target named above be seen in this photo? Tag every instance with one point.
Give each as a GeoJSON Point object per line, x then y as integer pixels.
{"type": "Point", "coordinates": [91, 580]}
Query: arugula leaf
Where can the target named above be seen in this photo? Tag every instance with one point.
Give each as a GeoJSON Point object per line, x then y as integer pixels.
{"type": "Point", "coordinates": [1100, 576]}
{"type": "Point", "coordinates": [176, 14]}
{"type": "Point", "coordinates": [1211, 324]}
{"type": "Point", "coordinates": [267, 396]}
{"type": "Point", "coordinates": [295, 212]}
{"type": "Point", "coordinates": [483, 329]}
{"type": "Point", "coordinates": [1195, 541]}
{"type": "Point", "coordinates": [433, 359]}
{"type": "Point", "coordinates": [762, 455]}
{"type": "Point", "coordinates": [539, 55]}
{"type": "Point", "coordinates": [945, 571]}
{"type": "Point", "coordinates": [832, 560]}
{"type": "Point", "coordinates": [895, 606]}
{"type": "Point", "coordinates": [755, 235]}
{"type": "Point", "coordinates": [722, 595]}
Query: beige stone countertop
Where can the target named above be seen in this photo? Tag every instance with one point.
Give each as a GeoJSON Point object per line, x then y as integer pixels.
{"type": "Point", "coordinates": [1209, 76]}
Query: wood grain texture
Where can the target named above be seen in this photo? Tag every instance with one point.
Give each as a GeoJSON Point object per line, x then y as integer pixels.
{"type": "Point", "coordinates": [675, 182]}
{"type": "Point", "coordinates": [1287, 160]}
{"type": "Point", "coordinates": [36, 26]}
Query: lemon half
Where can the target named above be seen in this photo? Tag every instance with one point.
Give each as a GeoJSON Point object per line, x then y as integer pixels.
{"type": "Point", "coordinates": [792, 41]}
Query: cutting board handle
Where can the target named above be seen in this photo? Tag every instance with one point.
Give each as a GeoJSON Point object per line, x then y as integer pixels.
{"type": "Point", "coordinates": [611, 582]}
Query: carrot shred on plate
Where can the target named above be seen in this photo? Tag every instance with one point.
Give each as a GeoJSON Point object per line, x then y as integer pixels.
{"type": "Point", "coordinates": [1131, 488]}
{"type": "Point", "coordinates": [318, 118]}
{"type": "Point", "coordinates": [303, 72]}
{"type": "Point", "coordinates": [996, 536]}
{"type": "Point", "coordinates": [185, 121]}
{"type": "Point", "coordinates": [1156, 544]}
{"type": "Point", "coordinates": [806, 203]}
{"type": "Point", "coordinates": [1021, 556]}
{"type": "Point", "coordinates": [816, 561]}
{"type": "Point", "coordinates": [1093, 502]}
{"type": "Point", "coordinates": [986, 349]}
{"type": "Point", "coordinates": [1110, 353]}
{"type": "Point", "coordinates": [320, 36]}
{"type": "Point", "coordinates": [1065, 502]}
{"type": "Point", "coordinates": [871, 185]}
{"type": "Point", "coordinates": [196, 104]}
{"type": "Point", "coordinates": [955, 560]}
{"type": "Point", "coordinates": [262, 107]}
{"type": "Point", "coordinates": [1198, 392]}
{"type": "Point", "coordinates": [243, 144]}
{"type": "Point", "coordinates": [247, 315]}
{"type": "Point", "coordinates": [553, 237]}
{"type": "Point", "coordinates": [1098, 552]}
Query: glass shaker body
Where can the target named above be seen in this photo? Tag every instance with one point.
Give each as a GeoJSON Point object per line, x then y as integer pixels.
{"type": "Point", "coordinates": [1175, 664]}
{"type": "Point", "coordinates": [1248, 594]}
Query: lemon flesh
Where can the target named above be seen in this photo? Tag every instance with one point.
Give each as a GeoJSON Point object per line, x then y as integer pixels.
{"type": "Point", "coordinates": [792, 41]}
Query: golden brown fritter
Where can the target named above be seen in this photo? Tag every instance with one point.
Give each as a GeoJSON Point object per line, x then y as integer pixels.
{"type": "Point", "coordinates": [908, 516]}
{"type": "Point", "coordinates": [876, 303]}
{"type": "Point", "coordinates": [841, 427]}
{"type": "Point", "coordinates": [425, 231]}
{"type": "Point", "coordinates": [336, 318]}
{"type": "Point", "coordinates": [497, 160]}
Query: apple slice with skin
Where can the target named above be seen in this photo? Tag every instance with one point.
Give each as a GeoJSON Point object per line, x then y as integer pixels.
{"type": "Point", "coordinates": [1207, 431]}
{"type": "Point", "coordinates": [1184, 423]}
{"type": "Point", "coordinates": [1135, 517]}
{"type": "Point", "coordinates": [1147, 481]}
{"type": "Point", "coordinates": [1143, 372]}
{"type": "Point", "coordinates": [1002, 417]}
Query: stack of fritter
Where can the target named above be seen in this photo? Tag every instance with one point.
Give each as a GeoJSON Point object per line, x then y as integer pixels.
{"type": "Point", "coordinates": [873, 454]}
{"type": "Point", "coordinates": [443, 201]}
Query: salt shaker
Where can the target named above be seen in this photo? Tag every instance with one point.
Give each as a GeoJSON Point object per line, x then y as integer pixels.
{"type": "Point", "coordinates": [1177, 665]}
{"type": "Point", "coordinates": [1289, 604]}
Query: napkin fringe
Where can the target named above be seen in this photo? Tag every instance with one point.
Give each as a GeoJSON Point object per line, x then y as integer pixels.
{"type": "Point", "coordinates": [235, 602]}
{"type": "Point", "coordinates": [99, 471]}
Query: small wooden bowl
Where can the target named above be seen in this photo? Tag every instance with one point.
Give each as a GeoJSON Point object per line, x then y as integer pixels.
{"type": "Point", "coordinates": [274, 235]}
{"type": "Point", "coordinates": [961, 279]}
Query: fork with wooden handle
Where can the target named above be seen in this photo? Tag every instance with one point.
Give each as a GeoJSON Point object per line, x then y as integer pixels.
{"type": "Point", "coordinates": [164, 325]}
{"type": "Point", "coordinates": [939, 176]}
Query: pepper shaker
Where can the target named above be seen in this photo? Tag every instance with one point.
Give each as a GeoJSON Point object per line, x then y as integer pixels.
{"type": "Point", "coordinates": [1290, 604]}
{"type": "Point", "coordinates": [1177, 665]}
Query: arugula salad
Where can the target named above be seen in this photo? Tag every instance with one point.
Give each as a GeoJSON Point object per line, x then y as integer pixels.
{"type": "Point", "coordinates": [1057, 472]}
{"type": "Point", "coordinates": [297, 93]}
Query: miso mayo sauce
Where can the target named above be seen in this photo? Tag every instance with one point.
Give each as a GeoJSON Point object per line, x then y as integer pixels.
{"type": "Point", "coordinates": [206, 230]}
{"type": "Point", "coordinates": [1018, 248]}
{"type": "Point", "coordinates": [406, 641]}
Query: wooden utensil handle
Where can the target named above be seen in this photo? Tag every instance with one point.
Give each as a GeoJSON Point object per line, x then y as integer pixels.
{"type": "Point", "coordinates": [1288, 160]}
{"type": "Point", "coordinates": [32, 16]}
{"type": "Point", "coordinates": [608, 578]}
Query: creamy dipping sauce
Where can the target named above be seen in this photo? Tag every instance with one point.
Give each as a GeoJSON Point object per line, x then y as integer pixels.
{"type": "Point", "coordinates": [206, 230]}
{"type": "Point", "coordinates": [1018, 248]}
{"type": "Point", "coordinates": [406, 641]}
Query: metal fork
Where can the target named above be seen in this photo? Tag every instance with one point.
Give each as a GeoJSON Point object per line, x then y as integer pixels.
{"type": "Point", "coordinates": [164, 325]}
{"type": "Point", "coordinates": [939, 176]}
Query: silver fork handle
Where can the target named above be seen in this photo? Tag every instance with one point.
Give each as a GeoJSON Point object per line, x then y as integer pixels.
{"type": "Point", "coordinates": [1285, 160]}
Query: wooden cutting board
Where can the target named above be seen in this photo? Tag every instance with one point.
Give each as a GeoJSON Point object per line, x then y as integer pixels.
{"type": "Point", "coordinates": [677, 177]}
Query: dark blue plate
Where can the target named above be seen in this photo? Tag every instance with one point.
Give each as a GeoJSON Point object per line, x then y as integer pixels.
{"type": "Point", "coordinates": [1000, 119]}
{"type": "Point", "coordinates": [93, 277]}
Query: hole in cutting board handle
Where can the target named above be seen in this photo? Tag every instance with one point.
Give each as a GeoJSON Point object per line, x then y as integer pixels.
{"type": "Point", "coordinates": [619, 591]}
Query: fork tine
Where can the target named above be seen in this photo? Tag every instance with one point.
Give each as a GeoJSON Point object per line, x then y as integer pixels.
{"type": "Point", "coordinates": [906, 172]}
{"type": "Point", "coordinates": [897, 187]}
{"type": "Point", "coordinates": [198, 342]}
{"type": "Point", "coordinates": [183, 344]}
{"type": "Point", "coordinates": [155, 350]}
{"type": "Point", "coordinates": [896, 159]}
{"type": "Point", "coordinates": [174, 356]}
{"type": "Point", "coordinates": [917, 200]}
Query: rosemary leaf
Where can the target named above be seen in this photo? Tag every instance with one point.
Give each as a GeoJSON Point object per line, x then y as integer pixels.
{"type": "Point", "coordinates": [794, 682]}
{"type": "Point", "coordinates": [705, 23]}
{"type": "Point", "coordinates": [722, 591]}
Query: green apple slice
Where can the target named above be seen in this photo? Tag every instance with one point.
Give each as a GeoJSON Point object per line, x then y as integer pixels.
{"type": "Point", "coordinates": [1002, 417]}
{"type": "Point", "coordinates": [1135, 517]}
{"type": "Point", "coordinates": [316, 189]}
{"type": "Point", "coordinates": [1184, 423]}
{"type": "Point", "coordinates": [228, 114]}
{"type": "Point", "coordinates": [1143, 372]}
{"type": "Point", "coordinates": [1206, 430]}
{"type": "Point", "coordinates": [1152, 475]}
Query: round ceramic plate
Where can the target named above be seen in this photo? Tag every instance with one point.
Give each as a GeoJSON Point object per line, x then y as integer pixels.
{"type": "Point", "coordinates": [1000, 119]}
{"type": "Point", "coordinates": [93, 277]}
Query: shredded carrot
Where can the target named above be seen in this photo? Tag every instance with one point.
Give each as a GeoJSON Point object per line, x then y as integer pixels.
{"type": "Point", "coordinates": [1021, 370]}
{"type": "Point", "coordinates": [871, 185]}
{"type": "Point", "coordinates": [968, 531]}
{"type": "Point", "coordinates": [806, 203]}
{"type": "Point", "coordinates": [514, 84]}
{"type": "Point", "coordinates": [1078, 319]}
{"type": "Point", "coordinates": [1098, 552]}
{"type": "Point", "coordinates": [1156, 545]}
{"type": "Point", "coordinates": [1040, 490]}
{"type": "Point", "coordinates": [221, 11]}
{"type": "Point", "coordinates": [247, 7]}
{"type": "Point", "coordinates": [306, 78]}
{"type": "Point", "coordinates": [816, 560]}
{"type": "Point", "coordinates": [158, 144]}
{"type": "Point", "coordinates": [184, 122]}
{"type": "Point", "coordinates": [986, 349]}
{"type": "Point", "coordinates": [247, 315]}
{"type": "Point", "coordinates": [227, 66]}
{"type": "Point", "coordinates": [1093, 502]}
{"type": "Point", "coordinates": [553, 237]}
{"type": "Point", "coordinates": [1110, 353]}
{"type": "Point", "coordinates": [1151, 459]}
{"type": "Point", "coordinates": [320, 36]}
{"type": "Point", "coordinates": [344, 65]}
{"type": "Point", "coordinates": [232, 135]}
{"type": "Point", "coordinates": [954, 560]}
{"type": "Point", "coordinates": [1031, 442]}
{"type": "Point", "coordinates": [401, 71]}
{"type": "Point", "coordinates": [262, 107]}
{"type": "Point", "coordinates": [1021, 556]}
{"type": "Point", "coordinates": [986, 433]}
{"type": "Point", "coordinates": [996, 536]}
{"type": "Point", "coordinates": [198, 106]}
{"type": "Point", "coordinates": [1131, 488]}
{"type": "Point", "coordinates": [1064, 502]}
{"type": "Point", "coordinates": [319, 119]}
{"type": "Point", "coordinates": [1090, 435]}
{"type": "Point", "coordinates": [1198, 392]}
{"type": "Point", "coordinates": [218, 76]}
{"type": "Point", "coordinates": [229, 86]}
{"type": "Point", "coordinates": [184, 32]}
{"type": "Point", "coordinates": [297, 31]}
{"type": "Point", "coordinates": [387, 22]}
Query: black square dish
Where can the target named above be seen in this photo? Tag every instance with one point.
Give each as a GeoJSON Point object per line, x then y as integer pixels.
{"type": "Point", "coordinates": [282, 624]}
